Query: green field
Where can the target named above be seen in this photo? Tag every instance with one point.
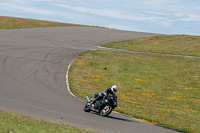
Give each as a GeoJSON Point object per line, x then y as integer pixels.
{"type": "Point", "coordinates": [166, 44]}
{"type": "Point", "coordinates": [13, 22]}
{"type": "Point", "coordinates": [12, 123]}
{"type": "Point", "coordinates": [157, 88]}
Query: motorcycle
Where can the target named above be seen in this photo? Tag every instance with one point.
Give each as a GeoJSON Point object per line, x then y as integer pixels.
{"type": "Point", "coordinates": [103, 106]}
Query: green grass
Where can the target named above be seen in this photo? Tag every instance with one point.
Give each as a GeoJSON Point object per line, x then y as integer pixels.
{"type": "Point", "coordinates": [160, 89]}
{"type": "Point", "coordinates": [156, 88]}
{"type": "Point", "coordinates": [13, 22]}
{"type": "Point", "coordinates": [168, 44]}
{"type": "Point", "coordinates": [12, 123]}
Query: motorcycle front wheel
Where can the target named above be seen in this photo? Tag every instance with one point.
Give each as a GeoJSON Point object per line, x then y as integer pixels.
{"type": "Point", "coordinates": [106, 110]}
{"type": "Point", "coordinates": [87, 107]}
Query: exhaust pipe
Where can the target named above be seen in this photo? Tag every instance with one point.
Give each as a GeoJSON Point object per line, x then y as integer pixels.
{"type": "Point", "coordinates": [88, 98]}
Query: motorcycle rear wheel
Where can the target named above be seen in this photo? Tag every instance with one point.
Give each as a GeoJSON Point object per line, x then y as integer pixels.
{"type": "Point", "coordinates": [106, 110]}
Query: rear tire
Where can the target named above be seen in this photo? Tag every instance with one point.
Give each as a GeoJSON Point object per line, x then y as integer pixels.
{"type": "Point", "coordinates": [87, 107]}
{"type": "Point", "coordinates": [106, 110]}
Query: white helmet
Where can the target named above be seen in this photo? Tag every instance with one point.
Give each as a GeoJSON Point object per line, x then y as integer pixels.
{"type": "Point", "coordinates": [114, 88]}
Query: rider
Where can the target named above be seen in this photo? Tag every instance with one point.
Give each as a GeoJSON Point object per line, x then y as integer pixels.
{"type": "Point", "coordinates": [108, 91]}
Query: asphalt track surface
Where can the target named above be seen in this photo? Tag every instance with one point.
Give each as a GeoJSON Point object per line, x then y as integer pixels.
{"type": "Point", "coordinates": [33, 66]}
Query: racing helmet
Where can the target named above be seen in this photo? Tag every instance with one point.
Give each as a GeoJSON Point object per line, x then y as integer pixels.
{"type": "Point", "coordinates": [114, 88]}
{"type": "Point", "coordinates": [95, 95]}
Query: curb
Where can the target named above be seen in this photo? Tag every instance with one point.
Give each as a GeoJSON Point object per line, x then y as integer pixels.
{"type": "Point", "coordinates": [67, 81]}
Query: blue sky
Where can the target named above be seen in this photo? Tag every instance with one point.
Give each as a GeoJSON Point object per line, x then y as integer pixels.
{"type": "Point", "coordinates": [154, 16]}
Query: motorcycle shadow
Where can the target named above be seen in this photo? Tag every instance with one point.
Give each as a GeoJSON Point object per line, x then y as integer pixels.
{"type": "Point", "coordinates": [121, 119]}
{"type": "Point", "coordinates": [115, 118]}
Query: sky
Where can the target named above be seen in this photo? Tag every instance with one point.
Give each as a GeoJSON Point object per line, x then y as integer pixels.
{"type": "Point", "coordinates": [152, 16]}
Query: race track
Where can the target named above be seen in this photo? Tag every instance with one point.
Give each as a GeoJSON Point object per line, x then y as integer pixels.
{"type": "Point", "coordinates": [33, 66]}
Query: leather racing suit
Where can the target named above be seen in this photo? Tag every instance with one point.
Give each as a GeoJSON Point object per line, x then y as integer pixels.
{"type": "Point", "coordinates": [102, 94]}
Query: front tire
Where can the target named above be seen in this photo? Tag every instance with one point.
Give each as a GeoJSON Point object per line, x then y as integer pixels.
{"type": "Point", "coordinates": [87, 107]}
{"type": "Point", "coordinates": [106, 110]}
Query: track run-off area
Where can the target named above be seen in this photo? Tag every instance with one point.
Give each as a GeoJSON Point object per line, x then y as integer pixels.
{"type": "Point", "coordinates": [33, 66]}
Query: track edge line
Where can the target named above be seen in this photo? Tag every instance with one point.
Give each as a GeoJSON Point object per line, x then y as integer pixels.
{"type": "Point", "coordinates": [67, 81]}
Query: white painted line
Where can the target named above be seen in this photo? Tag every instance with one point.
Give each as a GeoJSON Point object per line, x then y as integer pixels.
{"type": "Point", "coordinates": [67, 82]}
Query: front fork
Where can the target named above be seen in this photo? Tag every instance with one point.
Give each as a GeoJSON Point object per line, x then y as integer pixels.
{"type": "Point", "coordinates": [88, 98]}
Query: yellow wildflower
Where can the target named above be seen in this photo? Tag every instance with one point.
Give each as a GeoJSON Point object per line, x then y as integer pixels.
{"type": "Point", "coordinates": [190, 88]}
{"type": "Point", "coordinates": [96, 76]}
{"type": "Point", "coordinates": [173, 98]}
{"type": "Point", "coordinates": [140, 80]}
{"type": "Point", "coordinates": [185, 106]}
{"type": "Point", "coordinates": [147, 95]}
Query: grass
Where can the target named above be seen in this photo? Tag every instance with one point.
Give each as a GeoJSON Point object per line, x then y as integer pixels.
{"type": "Point", "coordinates": [168, 44]}
{"type": "Point", "coordinates": [157, 88]}
{"type": "Point", "coordinates": [13, 22]}
{"type": "Point", "coordinates": [12, 123]}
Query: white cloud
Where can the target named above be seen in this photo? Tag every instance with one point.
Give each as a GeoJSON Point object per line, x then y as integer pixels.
{"type": "Point", "coordinates": [154, 14]}
{"type": "Point", "coordinates": [12, 7]}
{"type": "Point", "coordinates": [30, 9]}
{"type": "Point", "coordinates": [17, 2]}
{"type": "Point", "coordinates": [43, 0]}
{"type": "Point", "coordinates": [112, 14]}
{"type": "Point", "coordinates": [191, 17]}
{"type": "Point", "coordinates": [166, 23]}
{"type": "Point", "coordinates": [123, 27]}
{"type": "Point", "coordinates": [179, 10]}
